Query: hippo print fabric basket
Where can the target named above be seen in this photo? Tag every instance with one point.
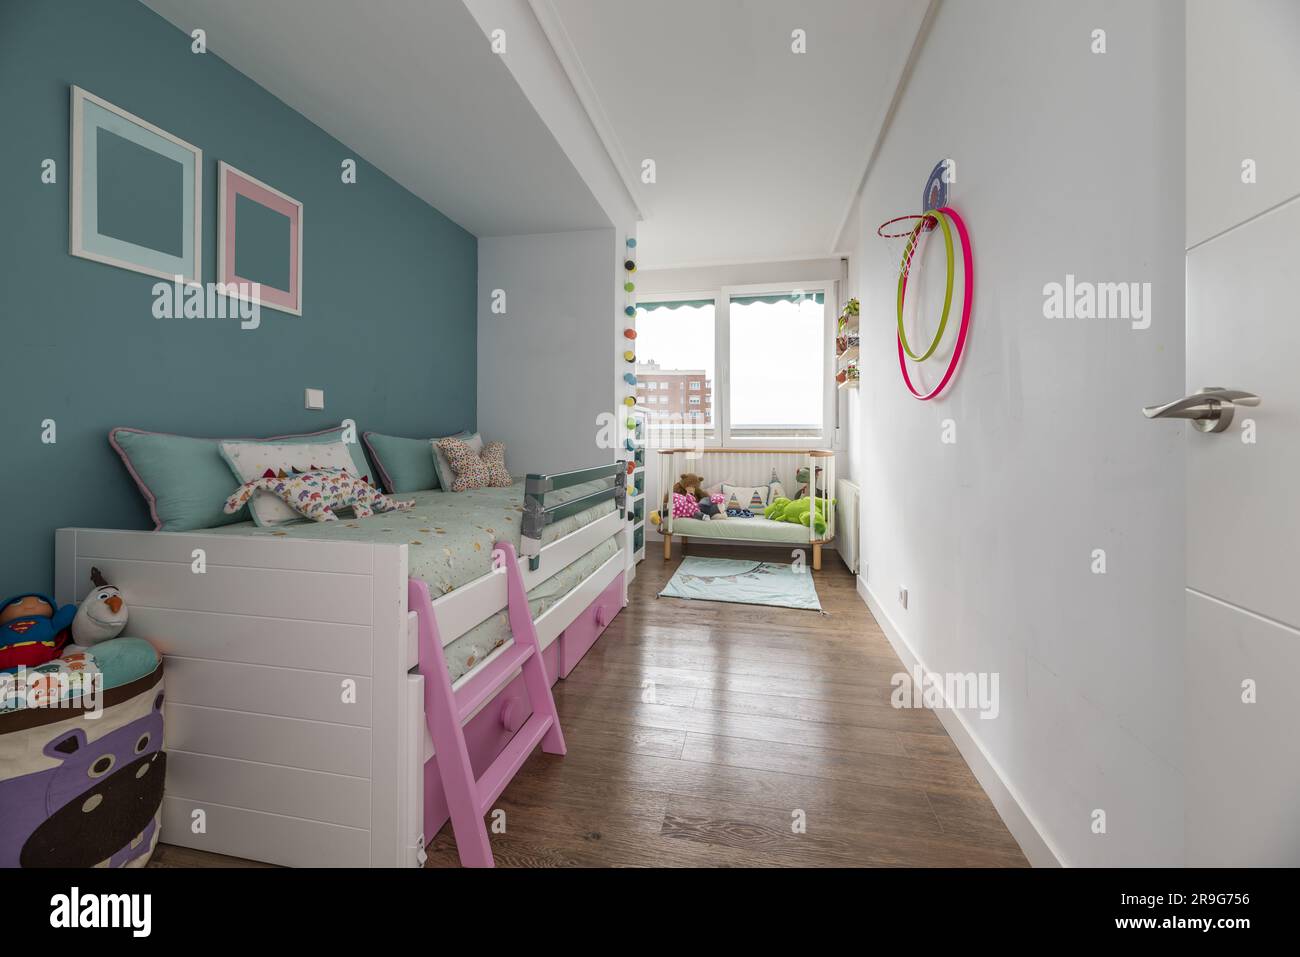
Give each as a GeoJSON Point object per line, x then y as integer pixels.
{"type": "Point", "coordinates": [80, 790]}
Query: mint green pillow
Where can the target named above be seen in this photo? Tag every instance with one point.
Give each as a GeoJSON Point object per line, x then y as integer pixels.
{"type": "Point", "coordinates": [404, 465]}
{"type": "Point", "coordinates": [123, 660]}
{"type": "Point", "coordinates": [186, 481]}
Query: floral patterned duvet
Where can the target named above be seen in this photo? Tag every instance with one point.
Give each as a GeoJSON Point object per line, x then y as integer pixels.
{"type": "Point", "coordinates": [450, 537]}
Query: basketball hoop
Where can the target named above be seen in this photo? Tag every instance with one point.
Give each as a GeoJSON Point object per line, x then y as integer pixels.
{"type": "Point", "coordinates": [902, 242]}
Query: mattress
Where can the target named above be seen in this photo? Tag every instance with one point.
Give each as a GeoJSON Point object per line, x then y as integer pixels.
{"type": "Point", "coordinates": [449, 538]}
{"type": "Point", "coordinates": [756, 529]}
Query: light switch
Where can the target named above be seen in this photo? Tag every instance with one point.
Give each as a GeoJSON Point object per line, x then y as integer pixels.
{"type": "Point", "coordinates": [315, 398]}
{"type": "Point", "coordinates": [902, 596]}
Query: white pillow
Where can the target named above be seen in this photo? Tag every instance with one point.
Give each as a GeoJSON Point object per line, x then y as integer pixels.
{"type": "Point", "coordinates": [252, 460]}
{"type": "Point", "coordinates": [753, 497]}
{"type": "Point", "coordinates": [446, 474]}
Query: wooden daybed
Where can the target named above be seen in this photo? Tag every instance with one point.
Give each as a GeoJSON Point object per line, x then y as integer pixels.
{"type": "Point", "coordinates": [757, 529]}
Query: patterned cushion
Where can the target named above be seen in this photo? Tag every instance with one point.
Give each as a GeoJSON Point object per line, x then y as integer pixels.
{"type": "Point", "coordinates": [775, 489]}
{"type": "Point", "coordinates": [474, 470]}
{"type": "Point", "coordinates": [746, 496]}
{"type": "Point", "coordinates": [255, 460]}
{"type": "Point", "coordinates": [445, 474]}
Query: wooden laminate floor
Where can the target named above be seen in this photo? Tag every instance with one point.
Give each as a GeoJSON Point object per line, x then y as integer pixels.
{"type": "Point", "coordinates": [713, 734]}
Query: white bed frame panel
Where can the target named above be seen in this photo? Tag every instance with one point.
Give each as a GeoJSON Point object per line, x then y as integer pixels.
{"type": "Point", "coordinates": [258, 650]}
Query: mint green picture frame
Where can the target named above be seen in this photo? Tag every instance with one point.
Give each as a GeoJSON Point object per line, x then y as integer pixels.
{"type": "Point", "coordinates": [170, 206]}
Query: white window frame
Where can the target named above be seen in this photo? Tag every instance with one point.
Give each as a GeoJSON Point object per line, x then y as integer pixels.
{"type": "Point", "coordinates": [722, 348]}
{"type": "Point", "coordinates": [684, 432]}
{"type": "Point", "coordinates": [720, 433]}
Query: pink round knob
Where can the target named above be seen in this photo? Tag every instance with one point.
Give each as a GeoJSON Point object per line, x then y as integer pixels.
{"type": "Point", "coordinates": [513, 714]}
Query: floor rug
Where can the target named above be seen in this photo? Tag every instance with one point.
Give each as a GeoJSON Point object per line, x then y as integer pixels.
{"type": "Point", "coordinates": [744, 582]}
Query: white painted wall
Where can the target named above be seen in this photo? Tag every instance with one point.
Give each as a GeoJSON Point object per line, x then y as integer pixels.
{"type": "Point", "coordinates": [543, 367]}
{"type": "Point", "coordinates": [568, 339]}
{"type": "Point", "coordinates": [700, 278]}
{"type": "Point", "coordinates": [1067, 162]}
{"type": "Point", "coordinates": [542, 76]}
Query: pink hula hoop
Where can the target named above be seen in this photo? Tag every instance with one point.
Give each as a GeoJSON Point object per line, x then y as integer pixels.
{"type": "Point", "coordinates": [965, 314]}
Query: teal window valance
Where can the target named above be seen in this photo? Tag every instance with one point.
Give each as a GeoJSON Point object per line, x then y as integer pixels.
{"type": "Point", "coordinates": [675, 304]}
{"type": "Point", "coordinates": [818, 298]}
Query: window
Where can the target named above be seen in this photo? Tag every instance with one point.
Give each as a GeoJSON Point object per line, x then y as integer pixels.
{"type": "Point", "coordinates": [752, 365]}
{"type": "Point", "coordinates": [778, 390]}
{"type": "Point", "coordinates": [675, 340]}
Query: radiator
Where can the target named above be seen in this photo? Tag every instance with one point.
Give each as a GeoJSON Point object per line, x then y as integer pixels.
{"type": "Point", "coordinates": [846, 513]}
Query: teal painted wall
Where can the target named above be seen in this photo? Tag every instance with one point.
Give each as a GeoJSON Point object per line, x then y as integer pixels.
{"type": "Point", "coordinates": [388, 325]}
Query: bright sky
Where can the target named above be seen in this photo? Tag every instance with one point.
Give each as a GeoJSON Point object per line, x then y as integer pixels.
{"type": "Point", "coordinates": [776, 356]}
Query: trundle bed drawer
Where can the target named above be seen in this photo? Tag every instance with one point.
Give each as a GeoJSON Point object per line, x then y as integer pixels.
{"type": "Point", "coordinates": [576, 640]}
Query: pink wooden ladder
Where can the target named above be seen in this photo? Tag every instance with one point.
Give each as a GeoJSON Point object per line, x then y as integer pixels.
{"type": "Point", "coordinates": [469, 797]}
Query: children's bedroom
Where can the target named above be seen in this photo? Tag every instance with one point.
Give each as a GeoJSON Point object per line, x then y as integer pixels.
{"type": "Point", "coordinates": [601, 434]}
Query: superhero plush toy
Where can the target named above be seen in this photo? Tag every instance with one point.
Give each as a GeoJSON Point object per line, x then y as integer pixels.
{"type": "Point", "coordinates": [32, 632]}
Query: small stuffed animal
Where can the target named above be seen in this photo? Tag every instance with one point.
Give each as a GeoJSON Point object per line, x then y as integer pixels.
{"type": "Point", "coordinates": [32, 631]}
{"type": "Point", "coordinates": [318, 494]}
{"type": "Point", "coordinates": [708, 505]}
{"type": "Point", "coordinates": [799, 511]}
{"type": "Point", "coordinates": [685, 506]}
{"type": "Point", "coordinates": [101, 616]}
{"type": "Point", "coordinates": [802, 478]}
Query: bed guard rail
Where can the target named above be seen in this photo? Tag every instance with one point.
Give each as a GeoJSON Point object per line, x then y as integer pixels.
{"type": "Point", "coordinates": [537, 514]}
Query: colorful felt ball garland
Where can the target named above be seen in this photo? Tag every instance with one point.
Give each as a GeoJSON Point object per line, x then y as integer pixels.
{"type": "Point", "coordinates": [629, 332]}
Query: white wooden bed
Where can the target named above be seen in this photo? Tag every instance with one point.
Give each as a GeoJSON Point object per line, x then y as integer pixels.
{"type": "Point", "coordinates": [295, 723]}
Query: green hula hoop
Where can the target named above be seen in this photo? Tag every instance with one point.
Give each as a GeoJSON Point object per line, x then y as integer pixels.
{"type": "Point", "coordinates": [902, 284]}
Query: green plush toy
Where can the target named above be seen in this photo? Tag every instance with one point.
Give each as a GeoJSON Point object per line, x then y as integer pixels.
{"type": "Point", "coordinates": [800, 512]}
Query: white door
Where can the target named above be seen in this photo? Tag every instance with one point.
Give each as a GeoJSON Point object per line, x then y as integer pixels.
{"type": "Point", "coordinates": [1242, 658]}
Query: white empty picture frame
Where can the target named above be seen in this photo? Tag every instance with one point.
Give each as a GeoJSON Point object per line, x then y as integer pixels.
{"type": "Point", "coordinates": [136, 197]}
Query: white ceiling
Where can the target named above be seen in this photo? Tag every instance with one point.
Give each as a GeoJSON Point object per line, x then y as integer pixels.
{"type": "Point", "coordinates": [759, 151]}
{"type": "Point", "coordinates": [414, 87]}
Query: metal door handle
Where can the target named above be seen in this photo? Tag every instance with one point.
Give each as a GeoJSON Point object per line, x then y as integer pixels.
{"type": "Point", "coordinates": [1210, 409]}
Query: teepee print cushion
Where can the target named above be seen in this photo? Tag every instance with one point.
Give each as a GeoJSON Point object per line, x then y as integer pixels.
{"type": "Point", "coordinates": [475, 470]}
{"type": "Point", "coordinates": [745, 496]}
{"type": "Point", "coordinates": [775, 489]}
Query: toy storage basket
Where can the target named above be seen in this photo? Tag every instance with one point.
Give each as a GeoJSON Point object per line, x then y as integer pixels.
{"type": "Point", "coordinates": [83, 788]}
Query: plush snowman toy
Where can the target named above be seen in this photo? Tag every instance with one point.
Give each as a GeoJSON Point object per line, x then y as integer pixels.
{"type": "Point", "coordinates": [101, 616]}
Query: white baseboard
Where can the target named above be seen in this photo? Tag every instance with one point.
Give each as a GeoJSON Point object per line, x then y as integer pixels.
{"type": "Point", "coordinates": [1005, 800]}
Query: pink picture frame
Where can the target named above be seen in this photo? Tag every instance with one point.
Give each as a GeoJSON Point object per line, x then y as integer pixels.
{"type": "Point", "coordinates": [232, 184]}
